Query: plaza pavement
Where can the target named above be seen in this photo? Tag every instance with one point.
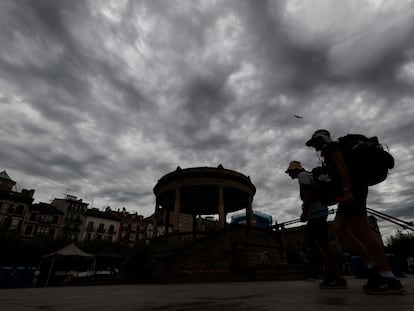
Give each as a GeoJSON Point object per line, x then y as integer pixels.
{"type": "Point", "coordinates": [254, 296]}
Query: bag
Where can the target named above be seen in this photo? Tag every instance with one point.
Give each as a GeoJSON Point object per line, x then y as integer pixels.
{"type": "Point", "coordinates": [323, 186]}
{"type": "Point", "coordinates": [367, 161]}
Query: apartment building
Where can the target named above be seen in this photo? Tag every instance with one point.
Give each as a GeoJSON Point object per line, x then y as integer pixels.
{"type": "Point", "coordinates": [74, 211]}
{"type": "Point", "coordinates": [13, 205]}
{"type": "Point", "coordinates": [100, 225]}
{"type": "Point", "coordinates": [132, 228]}
{"type": "Point", "coordinates": [42, 220]}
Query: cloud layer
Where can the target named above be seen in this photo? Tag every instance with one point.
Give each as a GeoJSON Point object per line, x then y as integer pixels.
{"type": "Point", "coordinates": [100, 99]}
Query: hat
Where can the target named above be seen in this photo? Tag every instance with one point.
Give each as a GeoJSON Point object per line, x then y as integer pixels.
{"type": "Point", "coordinates": [324, 134]}
{"type": "Point", "coordinates": [294, 165]}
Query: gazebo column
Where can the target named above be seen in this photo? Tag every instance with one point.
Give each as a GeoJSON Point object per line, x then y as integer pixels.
{"type": "Point", "coordinates": [177, 207]}
{"type": "Point", "coordinates": [195, 227]}
{"type": "Point", "coordinates": [222, 216]}
{"type": "Point", "coordinates": [249, 211]}
{"type": "Point", "coordinates": [155, 220]}
{"type": "Point", "coordinates": [167, 222]}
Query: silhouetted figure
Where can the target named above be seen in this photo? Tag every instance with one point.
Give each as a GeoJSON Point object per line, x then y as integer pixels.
{"type": "Point", "coordinates": [351, 222]}
{"type": "Point", "coordinates": [315, 213]}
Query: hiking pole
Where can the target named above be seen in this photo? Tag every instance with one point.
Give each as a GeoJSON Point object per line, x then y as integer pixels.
{"type": "Point", "coordinates": [408, 223]}
{"type": "Point", "coordinates": [384, 216]}
{"type": "Point", "coordinates": [312, 216]}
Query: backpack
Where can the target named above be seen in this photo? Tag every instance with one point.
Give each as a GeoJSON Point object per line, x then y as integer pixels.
{"type": "Point", "coordinates": [366, 159]}
{"type": "Point", "coordinates": [323, 186]}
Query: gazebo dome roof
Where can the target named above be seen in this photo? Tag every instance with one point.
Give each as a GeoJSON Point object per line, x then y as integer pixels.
{"type": "Point", "coordinates": [199, 190]}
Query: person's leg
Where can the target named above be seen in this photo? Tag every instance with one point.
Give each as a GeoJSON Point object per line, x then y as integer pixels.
{"type": "Point", "coordinates": [381, 280]}
{"type": "Point", "coordinates": [330, 260]}
{"type": "Point", "coordinates": [333, 277]}
{"type": "Point", "coordinates": [312, 247]}
{"type": "Point", "coordinates": [371, 241]}
{"type": "Point", "coordinates": [345, 234]}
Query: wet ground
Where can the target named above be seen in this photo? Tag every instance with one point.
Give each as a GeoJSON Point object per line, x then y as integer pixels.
{"type": "Point", "coordinates": [281, 296]}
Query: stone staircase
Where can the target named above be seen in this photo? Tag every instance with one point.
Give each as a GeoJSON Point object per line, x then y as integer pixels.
{"type": "Point", "coordinates": [237, 253]}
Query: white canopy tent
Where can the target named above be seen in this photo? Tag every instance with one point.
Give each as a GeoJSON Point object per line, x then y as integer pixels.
{"type": "Point", "coordinates": [70, 251]}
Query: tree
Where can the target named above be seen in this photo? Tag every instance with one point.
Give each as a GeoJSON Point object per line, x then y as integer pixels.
{"type": "Point", "coordinates": [401, 244]}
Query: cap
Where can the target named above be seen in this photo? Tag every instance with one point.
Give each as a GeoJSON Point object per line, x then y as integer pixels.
{"type": "Point", "coordinates": [319, 133]}
{"type": "Point", "coordinates": [294, 165]}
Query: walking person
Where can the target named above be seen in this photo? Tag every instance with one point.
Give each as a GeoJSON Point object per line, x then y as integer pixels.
{"type": "Point", "coordinates": [315, 213]}
{"type": "Point", "coordinates": [351, 222]}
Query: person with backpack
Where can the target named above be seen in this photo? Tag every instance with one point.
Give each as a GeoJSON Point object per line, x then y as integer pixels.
{"type": "Point", "coordinates": [315, 213]}
{"type": "Point", "coordinates": [350, 186]}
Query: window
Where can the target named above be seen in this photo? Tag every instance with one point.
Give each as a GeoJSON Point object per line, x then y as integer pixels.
{"type": "Point", "coordinates": [99, 237]}
{"type": "Point", "coordinates": [33, 216]}
{"type": "Point", "coordinates": [90, 225]}
{"type": "Point", "coordinates": [11, 209]}
{"type": "Point", "coordinates": [55, 220]}
{"type": "Point", "coordinates": [15, 223]}
{"type": "Point", "coordinates": [88, 237]}
{"type": "Point", "coordinates": [111, 228]}
{"type": "Point", "coordinates": [109, 237]}
{"type": "Point", "coordinates": [19, 210]}
{"type": "Point", "coordinates": [52, 233]}
{"type": "Point", "coordinates": [43, 230]}
{"type": "Point", "coordinates": [46, 218]}
{"type": "Point", "coordinates": [132, 237]}
{"type": "Point", "coordinates": [101, 228]}
{"type": "Point", "coordinates": [28, 230]}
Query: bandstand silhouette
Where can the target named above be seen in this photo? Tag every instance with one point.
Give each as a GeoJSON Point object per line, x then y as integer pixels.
{"type": "Point", "coordinates": [202, 191]}
{"type": "Point", "coordinates": [231, 251]}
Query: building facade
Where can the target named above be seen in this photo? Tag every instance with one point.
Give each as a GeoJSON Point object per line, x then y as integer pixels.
{"type": "Point", "coordinates": [100, 225]}
{"type": "Point", "coordinates": [42, 220]}
{"type": "Point", "coordinates": [133, 228]}
{"type": "Point", "coordinates": [13, 205]}
{"type": "Point", "coordinates": [74, 211]}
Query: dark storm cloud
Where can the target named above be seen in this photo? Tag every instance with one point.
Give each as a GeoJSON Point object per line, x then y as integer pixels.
{"type": "Point", "coordinates": [205, 100]}
{"type": "Point", "coordinates": [104, 98]}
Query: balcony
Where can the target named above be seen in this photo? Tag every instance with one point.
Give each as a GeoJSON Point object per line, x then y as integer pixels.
{"type": "Point", "coordinates": [101, 230]}
{"type": "Point", "coordinates": [73, 220]}
{"type": "Point", "coordinates": [90, 229]}
{"type": "Point", "coordinates": [68, 228]}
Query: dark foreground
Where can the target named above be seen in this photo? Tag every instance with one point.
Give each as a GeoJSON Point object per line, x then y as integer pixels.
{"type": "Point", "coordinates": [281, 296]}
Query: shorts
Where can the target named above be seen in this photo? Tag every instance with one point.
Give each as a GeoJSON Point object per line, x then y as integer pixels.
{"type": "Point", "coordinates": [317, 230]}
{"type": "Point", "coordinates": [346, 209]}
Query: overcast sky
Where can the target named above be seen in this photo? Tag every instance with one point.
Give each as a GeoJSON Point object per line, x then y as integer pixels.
{"type": "Point", "coordinates": [100, 99]}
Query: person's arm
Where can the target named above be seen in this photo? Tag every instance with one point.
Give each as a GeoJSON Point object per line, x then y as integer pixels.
{"type": "Point", "coordinates": [338, 159]}
{"type": "Point", "coordinates": [307, 198]}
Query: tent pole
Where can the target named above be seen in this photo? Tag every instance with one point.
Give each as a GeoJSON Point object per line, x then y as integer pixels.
{"type": "Point", "coordinates": [94, 267]}
{"type": "Point", "coordinates": [50, 271]}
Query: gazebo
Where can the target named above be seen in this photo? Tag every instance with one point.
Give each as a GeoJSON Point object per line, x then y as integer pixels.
{"type": "Point", "coordinates": [202, 191]}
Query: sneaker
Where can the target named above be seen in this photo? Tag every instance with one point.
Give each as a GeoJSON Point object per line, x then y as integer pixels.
{"type": "Point", "coordinates": [383, 286]}
{"type": "Point", "coordinates": [335, 283]}
{"type": "Point", "coordinates": [374, 277]}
